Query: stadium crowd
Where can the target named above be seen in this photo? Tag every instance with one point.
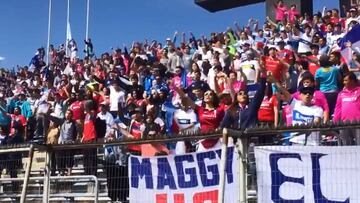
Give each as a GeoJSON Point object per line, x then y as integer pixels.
{"type": "Point", "coordinates": [287, 71]}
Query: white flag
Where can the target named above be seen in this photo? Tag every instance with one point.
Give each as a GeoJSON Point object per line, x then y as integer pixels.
{"type": "Point", "coordinates": [68, 37]}
{"type": "Point", "coordinates": [68, 32]}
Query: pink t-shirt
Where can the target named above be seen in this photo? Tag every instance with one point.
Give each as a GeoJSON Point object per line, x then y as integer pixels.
{"type": "Point", "coordinates": [280, 13]}
{"type": "Point", "coordinates": [292, 14]}
{"type": "Point", "coordinates": [348, 105]}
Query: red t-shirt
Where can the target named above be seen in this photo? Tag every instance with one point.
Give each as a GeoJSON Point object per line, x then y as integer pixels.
{"type": "Point", "coordinates": [77, 109]}
{"type": "Point", "coordinates": [266, 111]}
{"type": "Point", "coordinates": [313, 66]}
{"type": "Point", "coordinates": [274, 65]}
{"type": "Point", "coordinates": [89, 132]}
{"type": "Point", "coordinates": [135, 130]}
{"type": "Point", "coordinates": [286, 55]}
{"type": "Point", "coordinates": [209, 120]}
{"type": "Point", "coordinates": [17, 118]}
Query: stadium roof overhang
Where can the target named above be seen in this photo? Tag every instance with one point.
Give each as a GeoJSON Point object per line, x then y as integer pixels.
{"type": "Point", "coordinates": [219, 5]}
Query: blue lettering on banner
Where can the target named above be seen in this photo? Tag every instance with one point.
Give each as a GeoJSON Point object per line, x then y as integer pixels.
{"type": "Point", "coordinates": [203, 169]}
{"type": "Point", "coordinates": [278, 178]}
{"type": "Point", "coordinates": [191, 172]}
{"type": "Point", "coordinates": [140, 170]}
{"type": "Point", "coordinates": [318, 196]}
{"type": "Point", "coordinates": [229, 160]}
{"type": "Point", "coordinates": [186, 177]}
{"type": "Point", "coordinates": [165, 176]}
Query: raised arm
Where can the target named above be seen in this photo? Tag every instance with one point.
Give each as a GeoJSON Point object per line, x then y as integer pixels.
{"type": "Point", "coordinates": [287, 96]}
{"type": "Point", "coordinates": [184, 96]}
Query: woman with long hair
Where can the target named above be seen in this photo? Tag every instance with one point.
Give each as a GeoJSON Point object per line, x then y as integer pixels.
{"type": "Point", "coordinates": [210, 115]}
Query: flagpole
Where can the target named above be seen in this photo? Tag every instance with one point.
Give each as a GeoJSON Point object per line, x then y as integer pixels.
{"type": "Point", "coordinates": [87, 19]}
{"type": "Point", "coordinates": [48, 35]}
{"type": "Point", "coordinates": [67, 22]}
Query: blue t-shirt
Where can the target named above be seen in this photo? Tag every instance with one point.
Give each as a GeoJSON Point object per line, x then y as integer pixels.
{"type": "Point", "coordinates": [327, 78]}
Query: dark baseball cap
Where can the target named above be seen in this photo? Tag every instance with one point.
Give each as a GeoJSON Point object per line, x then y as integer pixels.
{"type": "Point", "coordinates": [307, 90]}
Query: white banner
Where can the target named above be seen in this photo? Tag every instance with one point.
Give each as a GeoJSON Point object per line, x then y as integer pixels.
{"type": "Point", "coordinates": [304, 174]}
{"type": "Point", "coordinates": [189, 178]}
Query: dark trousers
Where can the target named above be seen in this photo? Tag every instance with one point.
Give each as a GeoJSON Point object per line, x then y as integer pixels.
{"type": "Point", "coordinates": [90, 161]}
{"type": "Point", "coordinates": [331, 100]}
{"type": "Point", "coordinates": [117, 181]}
{"type": "Point", "coordinates": [64, 159]}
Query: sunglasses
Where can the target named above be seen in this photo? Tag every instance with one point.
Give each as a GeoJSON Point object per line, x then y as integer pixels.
{"type": "Point", "coordinates": [242, 93]}
{"type": "Point", "coordinates": [208, 93]}
{"type": "Point", "coordinates": [308, 93]}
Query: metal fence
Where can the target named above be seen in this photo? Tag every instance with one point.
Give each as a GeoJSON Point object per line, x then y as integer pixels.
{"type": "Point", "coordinates": [84, 172]}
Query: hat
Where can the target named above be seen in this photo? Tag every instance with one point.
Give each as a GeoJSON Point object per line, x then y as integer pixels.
{"type": "Point", "coordinates": [168, 39]}
{"type": "Point", "coordinates": [305, 90]}
{"type": "Point", "coordinates": [353, 10]}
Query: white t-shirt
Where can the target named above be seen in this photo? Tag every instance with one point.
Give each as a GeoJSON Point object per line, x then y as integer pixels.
{"type": "Point", "coordinates": [304, 47]}
{"type": "Point", "coordinates": [115, 98]}
{"type": "Point", "coordinates": [185, 119]}
{"type": "Point", "coordinates": [249, 69]}
{"type": "Point", "coordinates": [109, 119]}
{"type": "Point", "coordinates": [302, 114]}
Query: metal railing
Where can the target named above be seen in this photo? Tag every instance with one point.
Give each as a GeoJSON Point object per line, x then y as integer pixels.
{"type": "Point", "coordinates": [242, 137]}
{"type": "Point", "coordinates": [46, 195]}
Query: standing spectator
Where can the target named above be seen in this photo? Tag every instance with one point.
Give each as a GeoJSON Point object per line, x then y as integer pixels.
{"type": "Point", "coordinates": [89, 48]}
{"type": "Point", "coordinates": [278, 67]}
{"type": "Point", "coordinates": [24, 105]}
{"type": "Point", "coordinates": [210, 116]}
{"type": "Point", "coordinates": [268, 114]}
{"type": "Point", "coordinates": [328, 79]}
{"type": "Point", "coordinates": [135, 130]}
{"type": "Point", "coordinates": [89, 136]}
{"type": "Point", "coordinates": [250, 67]}
{"type": "Point", "coordinates": [115, 163]}
{"type": "Point", "coordinates": [185, 120]}
{"type": "Point", "coordinates": [117, 98]}
{"type": "Point", "coordinates": [16, 120]}
{"type": "Point", "coordinates": [303, 112]}
{"type": "Point", "coordinates": [293, 14]}
{"type": "Point", "coordinates": [305, 41]}
{"type": "Point", "coordinates": [314, 59]}
{"type": "Point", "coordinates": [280, 11]}
{"type": "Point", "coordinates": [243, 113]}
{"type": "Point", "coordinates": [348, 109]}
{"type": "Point", "coordinates": [77, 109]}
{"type": "Point", "coordinates": [105, 116]}
{"type": "Point", "coordinates": [319, 98]}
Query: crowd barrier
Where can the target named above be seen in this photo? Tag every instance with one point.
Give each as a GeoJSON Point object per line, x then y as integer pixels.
{"type": "Point", "coordinates": [247, 171]}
